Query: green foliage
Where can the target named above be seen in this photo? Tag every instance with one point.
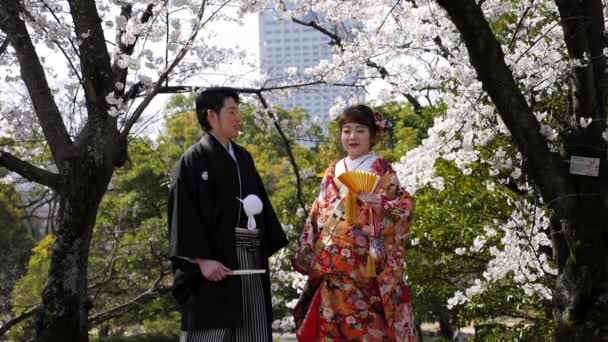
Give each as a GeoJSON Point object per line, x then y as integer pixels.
{"type": "Point", "coordinates": [15, 245]}
{"type": "Point", "coordinates": [129, 246]}
{"type": "Point", "coordinates": [451, 219]}
{"type": "Point", "coordinates": [406, 128]}
{"type": "Point", "coordinates": [28, 289]}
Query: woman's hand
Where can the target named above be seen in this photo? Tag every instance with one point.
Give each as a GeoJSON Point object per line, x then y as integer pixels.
{"type": "Point", "coordinates": [371, 199]}
{"type": "Point", "coordinates": [212, 270]}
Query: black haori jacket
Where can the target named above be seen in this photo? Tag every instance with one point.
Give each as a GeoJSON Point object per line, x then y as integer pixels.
{"type": "Point", "coordinates": [203, 210]}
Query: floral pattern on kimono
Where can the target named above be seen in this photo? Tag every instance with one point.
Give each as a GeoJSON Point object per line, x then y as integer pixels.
{"type": "Point", "coordinates": [341, 302]}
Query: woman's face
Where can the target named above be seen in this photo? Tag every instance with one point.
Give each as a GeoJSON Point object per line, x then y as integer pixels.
{"type": "Point", "coordinates": [355, 139]}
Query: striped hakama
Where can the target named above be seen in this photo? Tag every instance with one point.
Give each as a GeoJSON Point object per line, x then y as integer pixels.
{"type": "Point", "coordinates": [256, 328]}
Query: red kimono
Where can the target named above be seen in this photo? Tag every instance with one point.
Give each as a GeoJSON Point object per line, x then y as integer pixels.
{"type": "Point", "coordinates": [345, 299]}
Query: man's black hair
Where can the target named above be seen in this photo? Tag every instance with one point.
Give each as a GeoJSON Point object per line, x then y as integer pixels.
{"type": "Point", "coordinates": [212, 98]}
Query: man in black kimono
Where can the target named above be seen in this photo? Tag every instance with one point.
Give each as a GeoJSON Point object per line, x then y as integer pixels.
{"type": "Point", "coordinates": [211, 235]}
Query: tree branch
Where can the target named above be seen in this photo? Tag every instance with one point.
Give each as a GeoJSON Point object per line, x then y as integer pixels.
{"type": "Point", "coordinates": [57, 43]}
{"type": "Point", "coordinates": [336, 40]}
{"type": "Point", "coordinates": [94, 57]}
{"type": "Point", "coordinates": [29, 171]}
{"type": "Point", "coordinates": [4, 45]}
{"type": "Point", "coordinates": [136, 89]}
{"type": "Point", "coordinates": [516, 31]}
{"type": "Point", "coordinates": [23, 316]}
{"type": "Point", "coordinates": [143, 298]}
{"type": "Point", "coordinates": [35, 80]}
{"type": "Point", "coordinates": [595, 30]}
{"type": "Point", "coordinates": [487, 57]}
{"type": "Point", "coordinates": [120, 74]}
{"type": "Point", "coordinates": [121, 309]}
{"type": "Point", "coordinates": [198, 24]}
{"type": "Point", "coordinates": [292, 159]}
{"type": "Point", "coordinates": [574, 24]}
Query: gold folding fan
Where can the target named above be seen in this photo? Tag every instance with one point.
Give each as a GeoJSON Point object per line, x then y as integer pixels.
{"type": "Point", "coordinates": [356, 181]}
{"type": "Point", "coordinates": [359, 181]}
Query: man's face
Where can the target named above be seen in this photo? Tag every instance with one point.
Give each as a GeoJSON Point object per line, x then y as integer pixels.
{"type": "Point", "coordinates": [227, 124]}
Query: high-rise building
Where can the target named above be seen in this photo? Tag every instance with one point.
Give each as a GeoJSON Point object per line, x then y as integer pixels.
{"type": "Point", "coordinates": [285, 44]}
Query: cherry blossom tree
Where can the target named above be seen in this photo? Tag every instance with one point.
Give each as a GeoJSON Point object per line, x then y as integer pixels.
{"type": "Point", "coordinates": [529, 73]}
{"type": "Point", "coordinates": [78, 77]}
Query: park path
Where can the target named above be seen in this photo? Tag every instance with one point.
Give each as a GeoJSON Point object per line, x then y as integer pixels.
{"type": "Point", "coordinates": [429, 330]}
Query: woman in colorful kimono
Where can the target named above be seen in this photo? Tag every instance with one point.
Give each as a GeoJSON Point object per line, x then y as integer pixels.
{"type": "Point", "coordinates": [352, 247]}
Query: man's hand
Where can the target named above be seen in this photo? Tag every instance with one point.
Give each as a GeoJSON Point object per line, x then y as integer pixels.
{"type": "Point", "coordinates": [371, 199]}
{"type": "Point", "coordinates": [212, 270]}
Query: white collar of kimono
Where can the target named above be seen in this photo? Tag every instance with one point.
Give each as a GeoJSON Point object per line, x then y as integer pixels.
{"type": "Point", "coordinates": [363, 163]}
{"type": "Point", "coordinates": [228, 148]}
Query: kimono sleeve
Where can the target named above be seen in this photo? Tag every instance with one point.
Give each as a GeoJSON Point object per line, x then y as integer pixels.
{"type": "Point", "coordinates": [399, 206]}
{"type": "Point", "coordinates": [188, 234]}
{"type": "Point", "coordinates": [304, 252]}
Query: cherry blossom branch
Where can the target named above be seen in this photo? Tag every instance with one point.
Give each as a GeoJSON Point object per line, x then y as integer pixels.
{"type": "Point", "coordinates": [65, 54]}
{"type": "Point", "coordinates": [94, 60]}
{"type": "Point", "coordinates": [397, 3]}
{"type": "Point", "coordinates": [597, 43]}
{"type": "Point", "coordinates": [188, 89]}
{"type": "Point", "coordinates": [68, 58]}
{"type": "Point", "coordinates": [35, 80]}
{"type": "Point", "coordinates": [50, 9]}
{"type": "Point", "coordinates": [29, 171]}
{"type": "Point", "coordinates": [336, 40]}
{"type": "Point", "coordinates": [198, 25]}
{"type": "Point", "coordinates": [487, 58]}
{"type": "Point", "coordinates": [59, 46]}
{"type": "Point", "coordinates": [4, 45]}
{"type": "Point", "coordinates": [120, 74]}
{"type": "Point", "coordinates": [578, 30]}
{"type": "Point", "coordinates": [518, 27]}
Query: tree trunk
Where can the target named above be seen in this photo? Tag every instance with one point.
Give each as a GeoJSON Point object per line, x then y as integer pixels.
{"type": "Point", "coordinates": [579, 204]}
{"type": "Point", "coordinates": [445, 326]}
{"type": "Point", "coordinates": [581, 293]}
{"type": "Point", "coordinates": [104, 330]}
{"type": "Point", "coordinates": [420, 337]}
{"type": "Point", "coordinates": [63, 314]}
